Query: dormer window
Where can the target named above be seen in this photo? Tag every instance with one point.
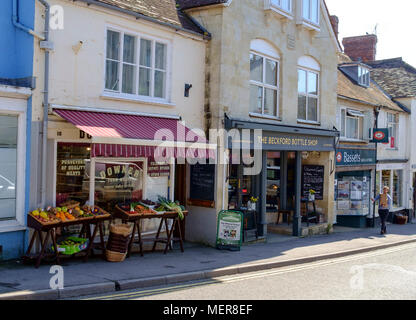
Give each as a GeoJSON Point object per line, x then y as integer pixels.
{"type": "Point", "coordinates": [363, 76]}
{"type": "Point", "coordinates": [282, 7]}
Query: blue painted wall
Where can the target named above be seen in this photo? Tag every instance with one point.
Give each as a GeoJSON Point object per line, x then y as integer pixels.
{"type": "Point", "coordinates": [16, 61]}
{"type": "Point", "coordinates": [16, 54]}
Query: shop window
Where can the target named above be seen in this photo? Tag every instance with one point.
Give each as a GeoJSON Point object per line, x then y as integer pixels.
{"type": "Point", "coordinates": [72, 172]}
{"type": "Point", "coordinates": [8, 166]}
{"type": "Point", "coordinates": [118, 182]}
{"type": "Point", "coordinates": [273, 179]}
{"type": "Point", "coordinates": [397, 188]}
{"type": "Point", "coordinates": [136, 65]}
{"type": "Point", "coordinates": [353, 193]}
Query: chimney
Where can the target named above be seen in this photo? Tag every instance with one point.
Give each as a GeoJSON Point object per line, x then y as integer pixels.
{"type": "Point", "coordinates": [362, 48]}
{"type": "Point", "coordinates": [335, 23]}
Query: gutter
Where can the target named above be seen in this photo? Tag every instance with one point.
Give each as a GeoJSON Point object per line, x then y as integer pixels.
{"type": "Point", "coordinates": [17, 24]}
{"type": "Point", "coordinates": [141, 16]}
{"type": "Point", "coordinates": [45, 106]}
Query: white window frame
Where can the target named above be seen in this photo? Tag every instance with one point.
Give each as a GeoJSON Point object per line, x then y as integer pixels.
{"type": "Point", "coordinates": [264, 85]}
{"type": "Point", "coordinates": [17, 107]}
{"type": "Point", "coordinates": [310, 23]}
{"type": "Point", "coordinates": [107, 93]}
{"type": "Point", "coordinates": [390, 124]}
{"type": "Point", "coordinates": [360, 123]}
{"type": "Point", "coordinates": [276, 6]}
{"type": "Point", "coordinates": [363, 77]}
{"type": "Point", "coordinates": [317, 72]}
{"type": "Point", "coordinates": [391, 185]}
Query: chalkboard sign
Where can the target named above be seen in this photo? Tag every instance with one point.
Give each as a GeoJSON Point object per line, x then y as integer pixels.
{"type": "Point", "coordinates": [202, 184]}
{"type": "Point", "coordinates": [313, 178]}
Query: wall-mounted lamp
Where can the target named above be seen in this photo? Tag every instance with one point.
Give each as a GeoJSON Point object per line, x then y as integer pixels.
{"type": "Point", "coordinates": [187, 88]}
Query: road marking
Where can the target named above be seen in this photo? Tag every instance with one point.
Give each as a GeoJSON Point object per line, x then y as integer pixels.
{"type": "Point", "coordinates": [260, 274]}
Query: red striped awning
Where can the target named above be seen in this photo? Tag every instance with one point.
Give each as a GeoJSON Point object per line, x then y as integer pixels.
{"type": "Point", "coordinates": [126, 135]}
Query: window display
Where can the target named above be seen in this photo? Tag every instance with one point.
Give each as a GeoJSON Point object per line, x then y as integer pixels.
{"type": "Point", "coordinates": [353, 193]}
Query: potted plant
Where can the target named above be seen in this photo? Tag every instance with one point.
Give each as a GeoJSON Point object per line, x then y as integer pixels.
{"type": "Point", "coordinates": [312, 195]}
{"type": "Point", "coordinates": [252, 203]}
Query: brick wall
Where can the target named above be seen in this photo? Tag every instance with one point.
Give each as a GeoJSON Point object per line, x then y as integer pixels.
{"type": "Point", "coordinates": [361, 47]}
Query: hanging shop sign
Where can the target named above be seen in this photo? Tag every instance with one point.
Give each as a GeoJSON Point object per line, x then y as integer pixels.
{"type": "Point", "coordinates": [380, 135]}
{"type": "Point", "coordinates": [229, 230]}
{"type": "Point", "coordinates": [290, 142]}
{"type": "Point", "coordinates": [155, 170]}
{"type": "Point", "coordinates": [355, 157]}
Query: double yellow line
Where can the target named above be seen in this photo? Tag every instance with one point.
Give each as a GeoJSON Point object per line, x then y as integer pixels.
{"type": "Point", "coordinates": [236, 278]}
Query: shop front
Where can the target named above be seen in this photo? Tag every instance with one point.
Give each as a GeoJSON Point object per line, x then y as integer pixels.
{"type": "Point", "coordinates": [353, 186]}
{"type": "Point", "coordinates": [294, 161]}
{"type": "Point", "coordinates": [113, 159]}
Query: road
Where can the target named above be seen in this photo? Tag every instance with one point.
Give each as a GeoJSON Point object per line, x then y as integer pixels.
{"type": "Point", "coordinates": [388, 274]}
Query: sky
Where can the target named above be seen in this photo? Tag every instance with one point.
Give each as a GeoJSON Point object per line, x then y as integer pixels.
{"type": "Point", "coordinates": [395, 21]}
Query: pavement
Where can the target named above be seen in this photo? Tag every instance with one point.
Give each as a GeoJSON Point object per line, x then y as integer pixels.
{"type": "Point", "coordinates": [20, 281]}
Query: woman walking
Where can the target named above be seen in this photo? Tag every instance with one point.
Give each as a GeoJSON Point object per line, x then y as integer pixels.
{"type": "Point", "coordinates": [383, 207]}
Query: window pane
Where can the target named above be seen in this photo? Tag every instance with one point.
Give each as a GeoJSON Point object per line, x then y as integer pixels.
{"type": "Point", "coordinates": [352, 128]}
{"type": "Point", "coordinates": [144, 82]}
{"type": "Point", "coordinates": [315, 11]}
{"type": "Point", "coordinates": [385, 179]}
{"type": "Point", "coordinates": [145, 53]}
{"type": "Point", "coordinates": [302, 81]}
{"type": "Point", "coordinates": [312, 109]}
{"type": "Point", "coordinates": [129, 51]}
{"type": "Point", "coordinates": [302, 107]}
{"type": "Point", "coordinates": [160, 81]}
{"type": "Point", "coordinates": [8, 166]}
{"type": "Point", "coordinates": [271, 72]}
{"type": "Point", "coordinates": [312, 83]}
{"type": "Point", "coordinates": [256, 99]}
{"type": "Point", "coordinates": [361, 128]}
{"type": "Point", "coordinates": [270, 102]}
{"type": "Point", "coordinates": [306, 9]}
{"type": "Point", "coordinates": [129, 79]}
{"type": "Point", "coordinates": [113, 45]}
{"type": "Point", "coordinates": [397, 188]}
{"type": "Point", "coordinates": [256, 68]}
{"type": "Point", "coordinates": [111, 76]}
{"type": "Point", "coordinates": [160, 56]}
{"type": "Point", "coordinates": [286, 5]}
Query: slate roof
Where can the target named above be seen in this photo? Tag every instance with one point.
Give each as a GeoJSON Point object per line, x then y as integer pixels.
{"type": "Point", "coordinates": [188, 4]}
{"type": "Point", "coordinates": [165, 11]}
{"type": "Point", "coordinates": [395, 76]}
{"type": "Point", "coordinates": [372, 95]}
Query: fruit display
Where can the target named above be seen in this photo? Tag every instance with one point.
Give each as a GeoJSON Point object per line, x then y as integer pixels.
{"type": "Point", "coordinates": [93, 210]}
{"type": "Point", "coordinates": [143, 209]}
{"type": "Point", "coordinates": [71, 245]}
{"type": "Point", "coordinates": [43, 216]}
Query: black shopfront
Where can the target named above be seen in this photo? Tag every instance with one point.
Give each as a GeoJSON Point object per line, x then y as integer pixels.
{"type": "Point", "coordinates": [280, 182]}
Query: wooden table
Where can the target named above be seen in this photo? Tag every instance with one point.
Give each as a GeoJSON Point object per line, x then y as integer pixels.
{"type": "Point", "coordinates": [136, 218]}
{"type": "Point", "coordinates": [51, 228]}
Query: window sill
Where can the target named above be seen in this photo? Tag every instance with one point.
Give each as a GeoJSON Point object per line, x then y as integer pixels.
{"type": "Point", "coordinates": [312, 123]}
{"type": "Point", "coordinates": [352, 140]}
{"type": "Point", "coordinates": [11, 226]}
{"type": "Point", "coordinates": [134, 98]}
{"type": "Point", "coordinates": [283, 13]}
{"type": "Point", "coordinates": [309, 25]}
{"type": "Point", "coordinates": [262, 116]}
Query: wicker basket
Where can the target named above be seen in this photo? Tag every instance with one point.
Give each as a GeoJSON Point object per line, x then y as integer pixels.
{"type": "Point", "coordinates": [121, 229]}
{"type": "Point", "coordinates": [115, 256]}
{"type": "Point", "coordinates": [118, 241]}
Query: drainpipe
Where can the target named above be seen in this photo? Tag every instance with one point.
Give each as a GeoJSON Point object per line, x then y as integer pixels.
{"type": "Point", "coordinates": [17, 24]}
{"type": "Point", "coordinates": [45, 105]}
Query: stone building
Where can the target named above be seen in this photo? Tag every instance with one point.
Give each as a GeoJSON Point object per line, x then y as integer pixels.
{"type": "Point", "coordinates": [272, 65]}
